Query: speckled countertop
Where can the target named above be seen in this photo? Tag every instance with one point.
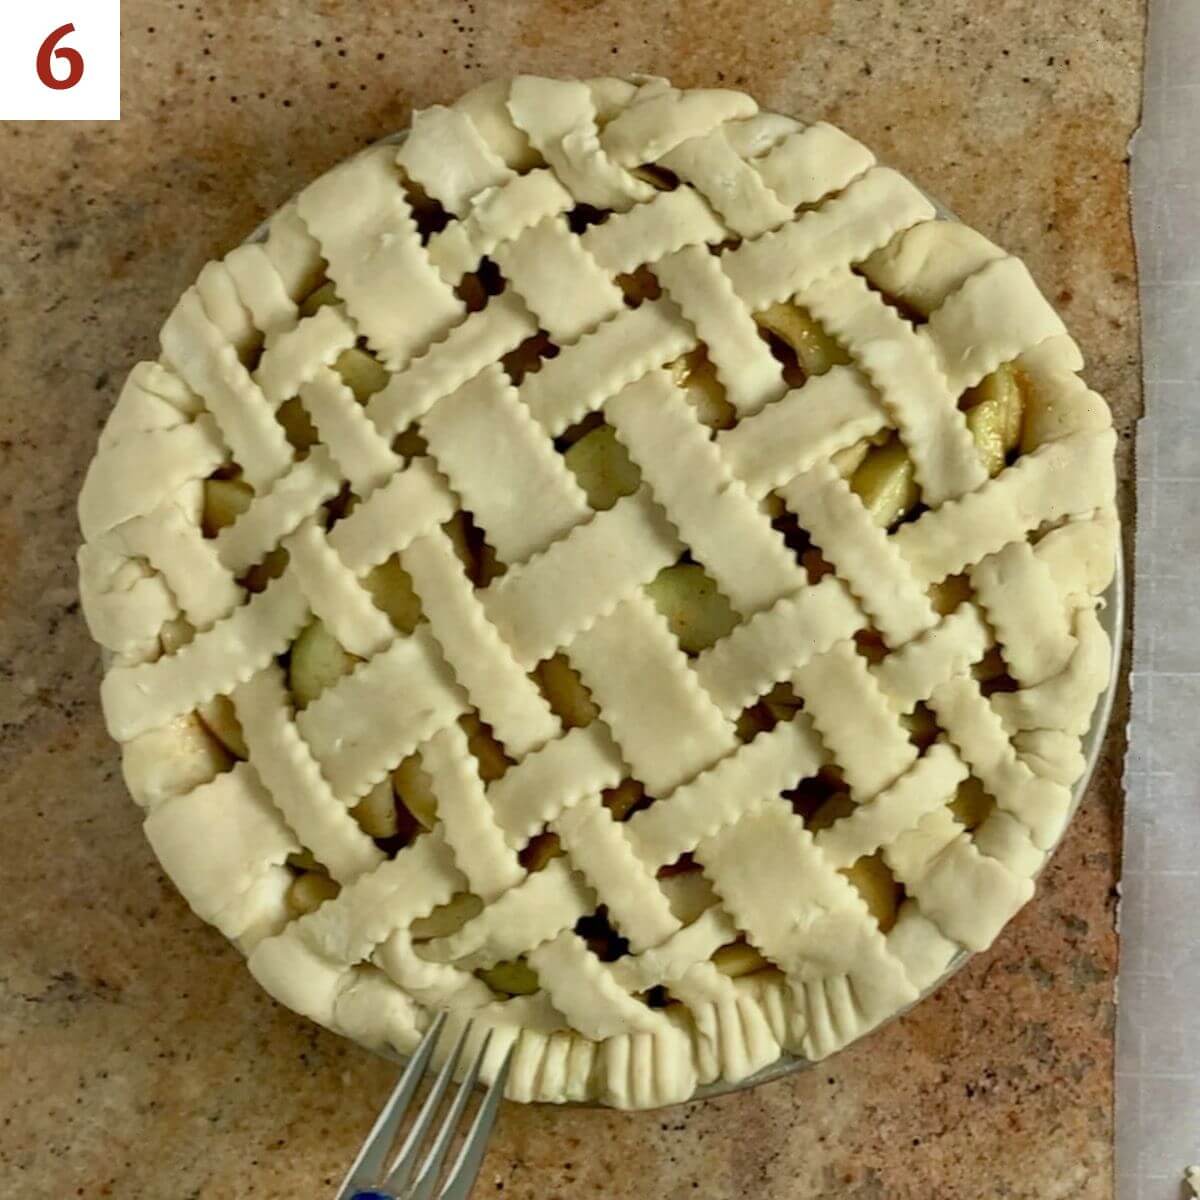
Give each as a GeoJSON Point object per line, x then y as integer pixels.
{"type": "Point", "coordinates": [137, 1057]}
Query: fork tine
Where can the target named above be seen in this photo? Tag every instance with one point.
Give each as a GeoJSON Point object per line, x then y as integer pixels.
{"type": "Point", "coordinates": [368, 1168]}
{"type": "Point", "coordinates": [470, 1158]}
{"type": "Point", "coordinates": [427, 1178]}
{"type": "Point", "coordinates": [406, 1158]}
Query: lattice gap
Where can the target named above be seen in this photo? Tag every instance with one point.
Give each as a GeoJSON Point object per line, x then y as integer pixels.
{"type": "Point", "coordinates": [579, 430]}
{"type": "Point", "coordinates": [869, 643]}
{"type": "Point", "coordinates": [271, 566]}
{"type": "Point", "coordinates": [879, 888]}
{"type": "Point", "coordinates": [325, 292]}
{"type": "Point", "coordinates": [921, 726]}
{"type": "Point", "coordinates": [972, 804]}
{"type": "Point", "coordinates": [428, 215]}
{"type": "Point", "coordinates": [870, 875]}
{"type": "Point", "coordinates": [638, 286]}
{"type": "Point", "coordinates": [528, 357]}
{"type": "Point", "coordinates": [779, 704]}
{"type": "Point", "coordinates": [799, 342]}
{"type": "Point", "coordinates": [797, 539]}
{"type": "Point", "coordinates": [913, 315]}
{"type": "Point", "coordinates": [697, 612]}
{"type": "Point", "coordinates": [602, 938]}
{"type": "Point", "coordinates": [659, 177]}
{"type": "Point", "coordinates": [696, 374]}
{"type": "Point", "coordinates": [475, 552]}
{"type": "Point", "coordinates": [625, 799]}
{"type": "Point", "coordinates": [584, 216]}
{"type": "Point", "coordinates": [785, 522]}
{"type": "Point", "coordinates": [477, 287]}
{"type": "Point", "coordinates": [991, 671]}
{"type": "Point", "coordinates": [410, 443]}
{"type": "Point", "coordinates": [564, 691]}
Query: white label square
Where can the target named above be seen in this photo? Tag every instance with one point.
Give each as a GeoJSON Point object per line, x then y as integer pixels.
{"type": "Point", "coordinates": [49, 72]}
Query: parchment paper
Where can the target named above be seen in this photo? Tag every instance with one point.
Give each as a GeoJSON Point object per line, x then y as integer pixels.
{"type": "Point", "coordinates": [1158, 1007]}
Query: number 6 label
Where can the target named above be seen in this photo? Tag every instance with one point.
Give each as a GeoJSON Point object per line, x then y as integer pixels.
{"type": "Point", "coordinates": [60, 60]}
{"type": "Point", "coordinates": [74, 60]}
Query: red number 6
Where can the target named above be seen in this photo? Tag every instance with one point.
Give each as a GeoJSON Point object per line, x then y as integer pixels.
{"type": "Point", "coordinates": [74, 60]}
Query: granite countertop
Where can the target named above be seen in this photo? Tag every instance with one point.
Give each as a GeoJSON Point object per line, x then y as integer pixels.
{"type": "Point", "coordinates": [139, 1058]}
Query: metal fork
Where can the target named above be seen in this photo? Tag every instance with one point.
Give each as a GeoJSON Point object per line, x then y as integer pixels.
{"type": "Point", "coordinates": [372, 1178]}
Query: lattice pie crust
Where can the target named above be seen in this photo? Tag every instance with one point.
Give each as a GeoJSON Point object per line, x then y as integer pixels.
{"type": "Point", "coordinates": [614, 565]}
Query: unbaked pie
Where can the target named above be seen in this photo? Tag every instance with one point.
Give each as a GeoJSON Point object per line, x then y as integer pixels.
{"type": "Point", "coordinates": [612, 564]}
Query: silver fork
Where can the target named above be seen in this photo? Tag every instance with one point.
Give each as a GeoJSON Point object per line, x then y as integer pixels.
{"type": "Point", "coordinates": [372, 1177]}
